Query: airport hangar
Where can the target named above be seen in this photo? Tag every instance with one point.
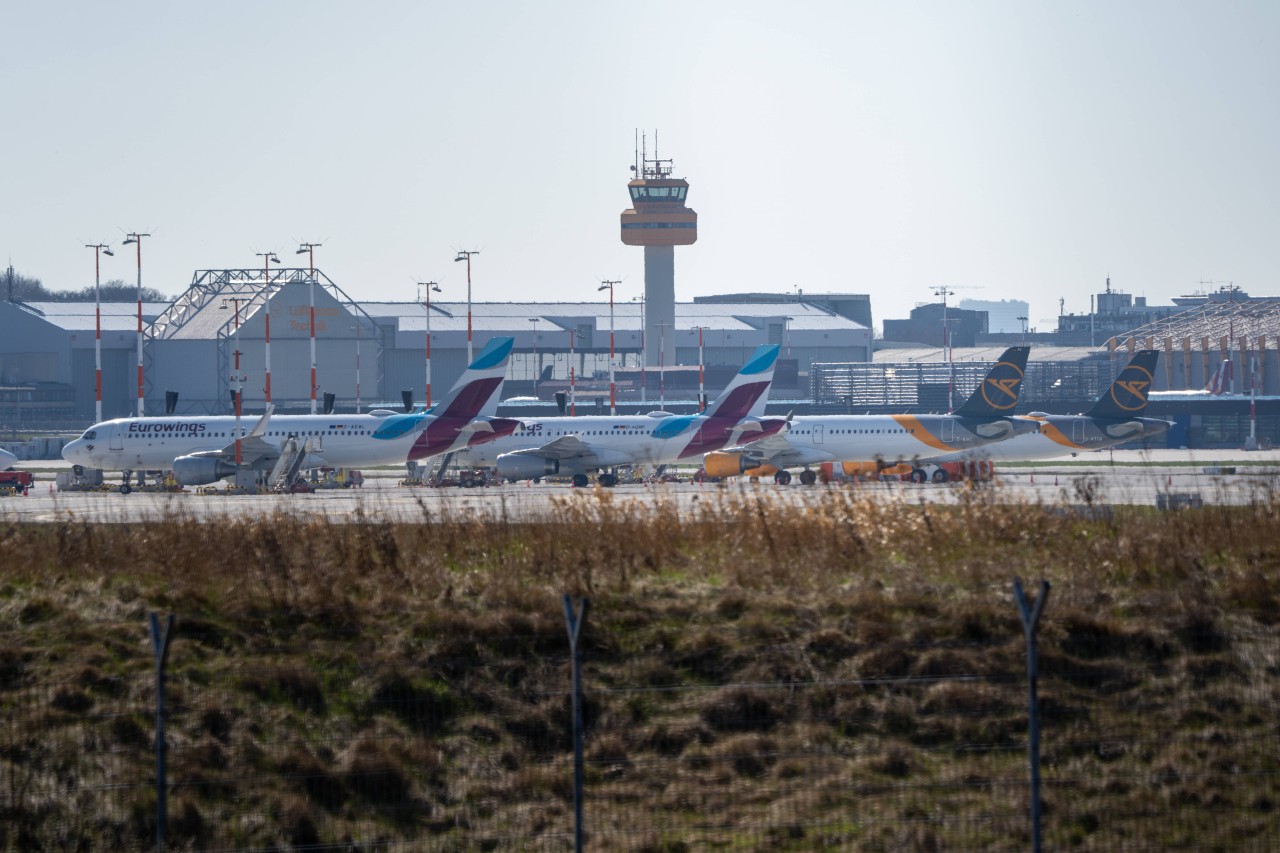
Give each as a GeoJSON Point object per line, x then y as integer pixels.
{"type": "Point", "coordinates": [373, 352]}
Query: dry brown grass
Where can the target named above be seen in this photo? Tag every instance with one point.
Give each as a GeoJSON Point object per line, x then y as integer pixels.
{"type": "Point", "coordinates": [760, 677]}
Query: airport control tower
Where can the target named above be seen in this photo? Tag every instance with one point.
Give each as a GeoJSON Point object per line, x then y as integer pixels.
{"type": "Point", "coordinates": [659, 221]}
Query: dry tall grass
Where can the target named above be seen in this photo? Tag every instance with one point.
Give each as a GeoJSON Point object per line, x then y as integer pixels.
{"type": "Point", "coordinates": [760, 677]}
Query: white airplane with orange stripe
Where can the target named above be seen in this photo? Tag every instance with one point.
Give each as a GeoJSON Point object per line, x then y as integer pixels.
{"type": "Point", "coordinates": [890, 440]}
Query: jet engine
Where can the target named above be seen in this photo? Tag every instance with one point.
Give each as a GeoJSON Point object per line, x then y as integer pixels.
{"type": "Point", "coordinates": [720, 463]}
{"type": "Point", "coordinates": [521, 466]}
{"type": "Point", "coordinates": [201, 470]}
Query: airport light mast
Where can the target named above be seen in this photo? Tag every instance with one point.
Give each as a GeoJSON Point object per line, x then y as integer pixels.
{"type": "Point", "coordinates": [947, 350]}
{"type": "Point", "coordinates": [268, 258]}
{"type": "Point", "coordinates": [613, 392]}
{"type": "Point", "coordinates": [237, 376]}
{"type": "Point", "coordinates": [309, 249]}
{"type": "Point", "coordinates": [427, 288]}
{"type": "Point", "coordinates": [136, 238]}
{"type": "Point", "coordinates": [99, 249]}
{"type": "Point", "coordinates": [659, 221]}
{"type": "Point", "coordinates": [465, 255]}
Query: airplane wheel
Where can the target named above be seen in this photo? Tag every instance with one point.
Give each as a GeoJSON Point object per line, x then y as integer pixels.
{"type": "Point", "coordinates": [940, 476]}
{"type": "Point", "coordinates": [782, 478]}
{"type": "Point", "coordinates": [125, 488]}
{"type": "Point", "coordinates": [608, 480]}
{"type": "Point", "coordinates": [579, 481]}
{"type": "Point", "coordinates": [918, 475]}
{"type": "Point", "coordinates": [808, 478]}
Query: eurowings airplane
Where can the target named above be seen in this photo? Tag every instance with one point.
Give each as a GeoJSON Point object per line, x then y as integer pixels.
{"type": "Point", "coordinates": [7, 460]}
{"type": "Point", "coordinates": [986, 417]}
{"type": "Point", "coordinates": [203, 450]}
{"type": "Point", "coordinates": [544, 447]}
{"type": "Point", "coordinates": [1115, 418]}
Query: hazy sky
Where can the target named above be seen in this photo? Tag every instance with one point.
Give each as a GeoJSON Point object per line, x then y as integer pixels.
{"type": "Point", "coordinates": [1013, 149]}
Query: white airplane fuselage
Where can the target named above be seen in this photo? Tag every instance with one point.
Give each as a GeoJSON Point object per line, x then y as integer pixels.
{"type": "Point", "coordinates": [152, 444]}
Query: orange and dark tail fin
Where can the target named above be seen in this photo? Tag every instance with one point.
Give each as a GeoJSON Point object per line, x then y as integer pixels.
{"type": "Point", "coordinates": [997, 396]}
{"type": "Point", "coordinates": [1127, 396]}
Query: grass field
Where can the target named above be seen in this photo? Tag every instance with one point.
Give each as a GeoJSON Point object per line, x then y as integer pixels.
{"type": "Point", "coordinates": [847, 675]}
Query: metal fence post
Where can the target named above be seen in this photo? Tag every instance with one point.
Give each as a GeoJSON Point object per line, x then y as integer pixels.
{"type": "Point", "coordinates": [574, 624]}
{"type": "Point", "coordinates": [160, 648]}
{"type": "Point", "coordinates": [1030, 620]}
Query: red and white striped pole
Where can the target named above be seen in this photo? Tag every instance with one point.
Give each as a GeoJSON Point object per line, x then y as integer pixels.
{"type": "Point", "coordinates": [98, 249]}
{"type": "Point", "coordinates": [136, 238]}
{"type": "Point", "coordinates": [267, 259]}
{"type": "Point", "coordinates": [310, 249]}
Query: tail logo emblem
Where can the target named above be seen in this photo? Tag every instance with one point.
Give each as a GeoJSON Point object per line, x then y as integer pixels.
{"type": "Point", "coordinates": [1133, 392]}
{"type": "Point", "coordinates": [1006, 388]}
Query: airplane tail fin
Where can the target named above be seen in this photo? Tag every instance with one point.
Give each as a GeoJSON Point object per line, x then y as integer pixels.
{"type": "Point", "coordinates": [1127, 396]}
{"type": "Point", "coordinates": [1220, 381]}
{"type": "Point", "coordinates": [746, 394]}
{"type": "Point", "coordinates": [476, 392]}
{"type": "Point", "coordinates": [997, 395]}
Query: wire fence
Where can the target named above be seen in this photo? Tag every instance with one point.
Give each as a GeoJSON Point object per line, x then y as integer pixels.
{"type": "Point", "coordinates": [847, 738]}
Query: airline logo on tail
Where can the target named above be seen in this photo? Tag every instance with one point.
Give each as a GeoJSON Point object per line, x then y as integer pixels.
{"type": "Point", "coordinates": [998, 392]}
{"type": "Point", "coordinates": [1130, 390]}
{"type": "Point", "coordinates": [744, 397]}
{"type": "Point", "coordinates": [1001, 392]}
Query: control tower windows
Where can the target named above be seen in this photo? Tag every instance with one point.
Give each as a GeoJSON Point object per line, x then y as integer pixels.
{"type": "Point", "coordinates": [658, 193]}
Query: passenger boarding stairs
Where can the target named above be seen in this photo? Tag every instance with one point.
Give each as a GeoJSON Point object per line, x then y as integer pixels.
{"type": "Point", "coordinates": [292, 455]}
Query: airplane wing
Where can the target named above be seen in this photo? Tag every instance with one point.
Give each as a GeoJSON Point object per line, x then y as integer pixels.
{"type": "Point", "coordinates": [254, 449]}
{"type": "Point", "coordinates": [580, 454]}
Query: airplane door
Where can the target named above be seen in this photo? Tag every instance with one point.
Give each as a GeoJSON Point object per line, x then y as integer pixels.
{"type": "Point", "coordinates": [1077, 430]}
{"type": "Point", "coordinates": [948, 430]}
{"type": "Point", "coordinates": [117, 440]}
{"type": "Point", "coordinates": [817, 434]}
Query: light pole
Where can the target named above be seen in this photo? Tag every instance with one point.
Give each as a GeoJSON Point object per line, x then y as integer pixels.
{"type": "Point", "coordinates": [613, 394]}
{"type": "Point", "coordinates": [1024, 328]}
{"type": "Point", "coordinates": [427, 287]}
{"type": "Point", "coordinates": [662, 365]}
{"type": "Point", "coordinates": [573, 365]}
{"type": "Point", "coordinates": [309, 249]}
{"type": "Point", "coordinates": [268, 258]}
{"type": "Point", "coordinates": [536, 366]}
{"type": "Point", "coordinates": [356, 327]}
{"type": "Point", "coordinates": [236, 376]}
{"type": "Point", "coordinates": [644, 353]}
{"type": "Point", "coordinates": [464, 255]}
{"type": "Point", "coordinates": [98, 250]}
{"type": "Point", "coordinates": [136, 238]}
{"type": "Point", "coordinates": [946, 346]}
{"type": "Point", "coordinates": [702, 393]}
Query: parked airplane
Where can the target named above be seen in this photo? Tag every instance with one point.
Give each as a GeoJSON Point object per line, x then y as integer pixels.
{"type": "Point", "coordinates": [1218, 385]}
{"type": "Point", "coordinates": [7, 460]}
{"type": "Point", "coordinates": [1115, 418]}
{"type": "Point", "coordinates": [544, 447]}
{"type": "Point", "coordinates": [203, 450]}
{"type": "Point", "coordinates": [986, 417]}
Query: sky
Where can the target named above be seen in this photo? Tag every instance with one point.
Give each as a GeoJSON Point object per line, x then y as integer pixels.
{"type": "Point", "coordinates": [1003, 150]}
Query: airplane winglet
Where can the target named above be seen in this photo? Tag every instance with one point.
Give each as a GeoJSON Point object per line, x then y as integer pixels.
{"type": "Point", "coordinates": [260, 428]}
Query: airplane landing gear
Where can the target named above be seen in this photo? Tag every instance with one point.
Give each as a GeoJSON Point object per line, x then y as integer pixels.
{"type": "Point", "coordinates": [782, 478]}
{"type": "Point", "coordinates": [607, 480]}
{"type": "Point", "coordinates": [919, 476]}
{"type": "Point", "coordinates": [125, 488]}
{"type": "Point", "coordinates": [580, 481]}
{"type": "Point", "coordinates": [808, 477]}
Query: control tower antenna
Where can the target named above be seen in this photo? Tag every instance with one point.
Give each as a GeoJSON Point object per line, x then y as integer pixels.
{"type": "Point", "coordinates": [659, 221]}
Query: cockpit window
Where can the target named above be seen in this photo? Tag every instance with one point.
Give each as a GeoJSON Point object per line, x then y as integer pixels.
{"type": "Point", "coordinates": [90, 435]}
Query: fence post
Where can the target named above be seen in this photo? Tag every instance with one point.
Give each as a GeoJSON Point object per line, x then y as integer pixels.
{"type": "Point", "coordinates": [160, 648]}
{"type": "Point", "coordinates": [1030, 621]}
{"type": "Point", "coordinates": [574, 624]}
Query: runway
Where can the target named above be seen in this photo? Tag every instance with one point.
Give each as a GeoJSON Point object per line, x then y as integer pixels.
{"type": "Point", "coordinates": [1123, 478]}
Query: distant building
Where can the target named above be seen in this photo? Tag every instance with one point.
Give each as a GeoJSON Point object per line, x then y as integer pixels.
{"type": "Point", "coordinates": [926, 323]}
{"type": "Point", "coordinates": [1004, 316]}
